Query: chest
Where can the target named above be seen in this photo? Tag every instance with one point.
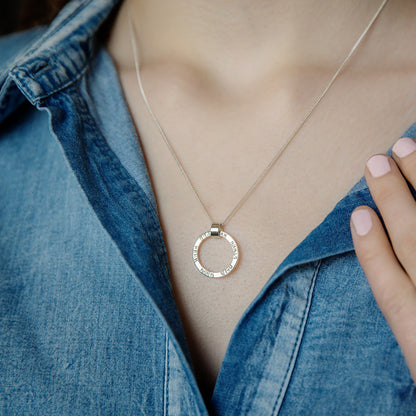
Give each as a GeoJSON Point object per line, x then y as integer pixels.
{"type": "Point", "coordinates": [224, 149]}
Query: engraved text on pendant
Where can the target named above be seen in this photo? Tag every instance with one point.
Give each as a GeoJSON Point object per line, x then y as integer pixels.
{"type": "Point", "coordinates": [216, 231]}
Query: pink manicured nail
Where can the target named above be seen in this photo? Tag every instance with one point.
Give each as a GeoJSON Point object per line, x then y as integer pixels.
{"type": "Point", "coordinates": [404, 147]}
{"type": "Point", "coordinates": [361, 220]}
{"type": "Point", "coordinates": [378, 165]}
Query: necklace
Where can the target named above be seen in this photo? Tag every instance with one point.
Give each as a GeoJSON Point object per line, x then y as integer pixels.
{"type": "Point", "coordinates": [216, 227]}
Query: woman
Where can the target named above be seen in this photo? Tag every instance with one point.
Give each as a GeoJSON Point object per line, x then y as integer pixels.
{"type": "Point", "coordinates": [105, 311]}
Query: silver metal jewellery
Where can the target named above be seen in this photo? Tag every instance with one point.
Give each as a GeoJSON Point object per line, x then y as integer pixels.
{"type": "Point", "coordinates": [216, 230]}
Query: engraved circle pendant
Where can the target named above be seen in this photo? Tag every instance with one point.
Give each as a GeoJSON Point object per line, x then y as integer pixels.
{"type": "Point", "coordinates": [216, 231]}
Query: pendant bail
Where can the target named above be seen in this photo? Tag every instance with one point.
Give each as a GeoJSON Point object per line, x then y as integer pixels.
{"type": "Point", "coordinates": [216, 229]}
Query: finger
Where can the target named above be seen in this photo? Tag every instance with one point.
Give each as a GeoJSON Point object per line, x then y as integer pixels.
{"type": "Point", "coordinates": [397, 207]}
{"type": "Point", "coordinates": [404, 153]}
{"type": "Point", "coordinates": [393, 290]}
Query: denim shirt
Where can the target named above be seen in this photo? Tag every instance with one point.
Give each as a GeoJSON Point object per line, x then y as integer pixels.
{"type": "Point", "coordinates": [88, 323]}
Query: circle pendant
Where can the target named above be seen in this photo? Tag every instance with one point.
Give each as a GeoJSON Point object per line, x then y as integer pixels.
{"type": "Point", "coordinates": [216, 231]}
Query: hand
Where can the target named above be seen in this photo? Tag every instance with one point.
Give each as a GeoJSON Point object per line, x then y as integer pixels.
{"type": "Point", "coordinates": [389, 261]}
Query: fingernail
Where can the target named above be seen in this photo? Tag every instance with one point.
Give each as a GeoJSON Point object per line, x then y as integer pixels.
{"type": "Point", "coordinates": [378, 165]}
{"type": "Point", "coordinates": [361, 219]}
{"type": "Point", "coordinates": [403, 147]}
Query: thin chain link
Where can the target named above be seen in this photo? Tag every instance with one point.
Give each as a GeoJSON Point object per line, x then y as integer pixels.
{"type": "Point", "coordinates": [282, 148]}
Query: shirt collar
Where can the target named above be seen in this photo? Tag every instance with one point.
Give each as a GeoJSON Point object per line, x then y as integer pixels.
{"type": "Point", "coordinates": [57, 58]}
{"type": "Point", "coordinates": [333, 237]}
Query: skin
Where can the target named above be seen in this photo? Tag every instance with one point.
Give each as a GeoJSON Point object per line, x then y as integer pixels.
{"type": "Point", "coordinates": [229, 81]}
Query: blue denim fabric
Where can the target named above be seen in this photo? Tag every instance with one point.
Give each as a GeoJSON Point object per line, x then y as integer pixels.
{"type": "Point", "coordinates": [88, 323]}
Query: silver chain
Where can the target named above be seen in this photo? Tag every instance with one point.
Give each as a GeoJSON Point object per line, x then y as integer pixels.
{"type": "Point", "coordinates": [282, 148]}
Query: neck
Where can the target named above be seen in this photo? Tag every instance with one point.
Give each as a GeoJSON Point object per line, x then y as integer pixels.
{"type": "Point", "coordinates": [220, 37]}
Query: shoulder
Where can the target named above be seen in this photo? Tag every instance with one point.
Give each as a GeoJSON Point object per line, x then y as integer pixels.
{"type": "Point", "coordinates": [45, 60]}
{"type": "Point", "coordinates": [37, 64]}
{"type": "Point", "coordinates": [16, 44]}
{"type": "Point", "coordinates": [12, 48]}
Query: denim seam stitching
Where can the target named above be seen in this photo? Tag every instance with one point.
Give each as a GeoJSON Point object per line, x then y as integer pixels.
{"type": "Point", "coordinates": [279, 399]}
{"type": "Point", "coordinates": [166, 382]}
{"type": "Point", "coordinates": [93, 115]}
{"type": "Point", "coordinates": [103, 148]}
{"type": "Point", "coordinates": [24, 86]}
{"type": "Point", "coordinates": [118, 171]}
{"type": "Point", "coordinates": [33, 50]}
{"type": "Point", "coordinates": [29, 54]}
